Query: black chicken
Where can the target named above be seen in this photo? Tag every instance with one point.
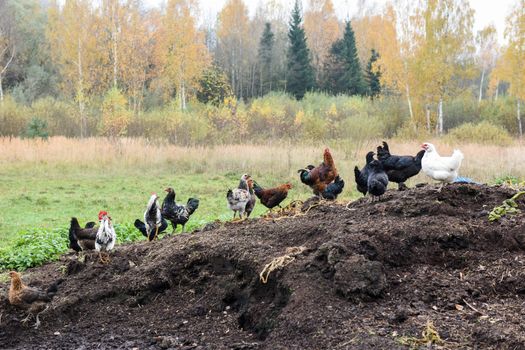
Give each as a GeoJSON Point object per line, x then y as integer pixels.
{"type": "Point", "coordinates": [334, 189]}
{"type": "Point", "coordinates": [82, 238]}
{"type": "Point", "coordinates": [154, 223]}
{"type": "Point", "coordinates": [377, 179]}
{"type": "Point", "coordinates": [399, 168]}
{"type": "Point", "coordinates": [175, 213]}
{"type": "Point", "coordinates": [361, 177]}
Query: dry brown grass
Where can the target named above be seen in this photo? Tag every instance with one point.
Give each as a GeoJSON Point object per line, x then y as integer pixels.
{"type": "Point", "coordinates": [482, 162]}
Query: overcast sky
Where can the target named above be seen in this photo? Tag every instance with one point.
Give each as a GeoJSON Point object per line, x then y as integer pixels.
{"type": "Point", "coordinates": [487, 11]}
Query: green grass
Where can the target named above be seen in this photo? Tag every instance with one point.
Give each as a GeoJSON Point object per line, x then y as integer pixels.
{"type": "Point", "coordinates": [45, 197]}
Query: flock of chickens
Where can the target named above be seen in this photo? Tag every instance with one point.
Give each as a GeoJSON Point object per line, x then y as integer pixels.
{"type": "Point", "coordinates": [323, 179]}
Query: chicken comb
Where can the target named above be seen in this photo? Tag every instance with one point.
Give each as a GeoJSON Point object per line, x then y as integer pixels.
{"type": "Point", "coordinates": [101, 214]}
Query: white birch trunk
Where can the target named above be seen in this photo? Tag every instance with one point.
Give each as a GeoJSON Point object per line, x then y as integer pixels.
{"type": "Point", "coordinates": [520, 128]}
{"type": "Point", "coordinates": [3, 71]}
{"type": "Point", "coordinates": [409, 103]}
{"type": "Point", "coordinates": [481, 85]}
{"type": "Point", "coordinates": [428, 118]}
{"type": "Point", "coordinates": [440, 117]}
{"type": "Point", "coordinates": [183, 96]}
{"type": "Point", "coordinates": [80, 90]}
{"type": "Point", "coordinates": [115, 51]}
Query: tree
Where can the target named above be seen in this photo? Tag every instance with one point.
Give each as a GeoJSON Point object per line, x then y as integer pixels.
{"type": "Point", "coordinates": [510, 66]}
{"type": "Point", "coordinates": [344, 74]}
{"type": "Point", "coordinates": [487, 43]}
{"type": "Point", "coordinates": [135, 52]}
{"type": "Point", "coordinates": [373, 75]}
{"type": "Point", "coordinates": [322, 29]}
{"type": "Point", "coordinates": [214, 86]}
{"type": "Point", "coordinates": [444, 51]}
{"type": "Point", "coordinates": [266, 59]}
{"type": "Point", "coordinates": [234, 38]}
{"type": "Point", "coordinates": [7, 41]}
{"type": "Point", "coordinates": [180, 52]}
{"type": "Point", "coordinates": [72, 37]}
{"type": "Point", "coordinates": [300, 74]}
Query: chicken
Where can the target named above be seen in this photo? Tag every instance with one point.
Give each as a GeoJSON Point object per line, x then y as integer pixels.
{"type": "Point", "coordinates": [377, 179]}
{"type": "Point", "coordinates": [361, 177]}
{"type": "Point", "coordinates": [32, 300]}
{"type": "Point", "coordinates": [334, 189]}
{"type": "Point", "coordinates": [251, 203]}
{"type": "Point", "coordinates": [153, 223]}
{"type": "Point", "coordinates": [240, 197]}
{"type": "Point", "coordinates": [271, 197]}
{"type": "Point", "coordinates": [175, 213]}
{"type": "Point", "coordinates": [442, 169]}
{"type": "Point", "coordinates": [105, 238]}
{"type": "Point", "coordinates": [83, 238]}
{"type": "Point", "coordinates": [399, 168]}
{"type": "Point", "coordinates": [318, 178]}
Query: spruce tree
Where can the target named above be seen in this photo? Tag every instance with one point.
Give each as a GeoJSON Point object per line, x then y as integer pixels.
{"type": "Point", "coordinates": [353, 82]}
{"type": "Point", "coordinates": [373, 78]}
{"type": "Point", "coordinates": [266, 59]}
{"type": "Point", "coordinates": [300, 74]}
{"type": "Point", "coordinates": [343, 74]}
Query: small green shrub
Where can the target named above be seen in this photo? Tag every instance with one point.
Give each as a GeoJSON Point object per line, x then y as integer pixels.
{"type": "Point", "coordinates": [36, 128]}
{"type": "Point", "coordinates": [33, 248]}
{"type": "Point", "coordinates": [38, 246]}
{"type": "Point", "coordinates": [484, 132]}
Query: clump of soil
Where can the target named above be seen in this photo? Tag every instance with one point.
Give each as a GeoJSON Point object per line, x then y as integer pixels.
{"type": "Point", "coordinates": [372, 274]}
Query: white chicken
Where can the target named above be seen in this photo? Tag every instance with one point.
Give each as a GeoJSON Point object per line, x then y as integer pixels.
{"type": "Point", "coordinates": [442, 169]}
{"type": "Point", "coordinates": [106, 237]}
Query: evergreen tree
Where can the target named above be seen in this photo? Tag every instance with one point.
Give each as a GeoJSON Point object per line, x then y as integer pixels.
{"type": "Point", "coordinates": [265, 59]}
{"type": "Point", "coordinates": [343, 74]}
{"type": "Point", "coordinates": [373, 77]}
{"type": "Point", "coordinates": [300, 74]}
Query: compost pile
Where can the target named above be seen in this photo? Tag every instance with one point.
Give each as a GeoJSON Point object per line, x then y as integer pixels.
{"type": "Point", "coordinates": [419, 266]}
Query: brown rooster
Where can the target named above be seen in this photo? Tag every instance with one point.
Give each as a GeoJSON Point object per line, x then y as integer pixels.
{"type": "Point", "coordinates": [271, 197]}
{"type": "Point", "coordinates": [33, 300]}
{"type": "Point", "coordinates": [318, 178]}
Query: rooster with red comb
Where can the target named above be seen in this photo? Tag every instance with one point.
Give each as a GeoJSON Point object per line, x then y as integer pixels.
{"type": "Point", "coordinates": [89, 238]}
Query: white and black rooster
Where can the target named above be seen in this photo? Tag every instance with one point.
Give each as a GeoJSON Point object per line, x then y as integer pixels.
{"type": "Point", "coordinates": [154, 223]}
{"type": "Point", "coordinates": [105, 238]}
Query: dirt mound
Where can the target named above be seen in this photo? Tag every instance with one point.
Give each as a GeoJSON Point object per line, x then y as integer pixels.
{"type": "Point", "coordinates": [366, 276]}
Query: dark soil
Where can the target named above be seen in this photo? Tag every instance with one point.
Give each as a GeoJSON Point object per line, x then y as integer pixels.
{"type": "Point", "coordinates": [370, 274]}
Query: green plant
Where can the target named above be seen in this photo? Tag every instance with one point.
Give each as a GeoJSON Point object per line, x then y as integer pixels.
{"type": "Point", "coordinates": [33, 248]}
{"type": "Point", "coordinates": [37, 128]}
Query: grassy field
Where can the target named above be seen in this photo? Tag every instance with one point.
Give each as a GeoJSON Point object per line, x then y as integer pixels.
{"type": "Point", "coordinates": [44, 183]}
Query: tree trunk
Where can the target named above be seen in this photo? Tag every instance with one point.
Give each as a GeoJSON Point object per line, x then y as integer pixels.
{"type": "Point", "coordinates": [115, 53]}
{"type": "Point", "coordinates": [520, 128]}
{"type": "Point", "coordinates": [3, 71]}
{"type": "Point", "coordinates": [428, 118]}
{"type": "Point", "coordinates": [409, 103]}
{"type": "Point", "coordinates": [481, 86]}
{"type": "Point", "coordinates": [497, 91]}
{"type": "Point", "coordinates": [183, 96]}
{"type": "Point", "coordinates": [440, 117]}
{"type": "Point", "coordinates": [80, 90]}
